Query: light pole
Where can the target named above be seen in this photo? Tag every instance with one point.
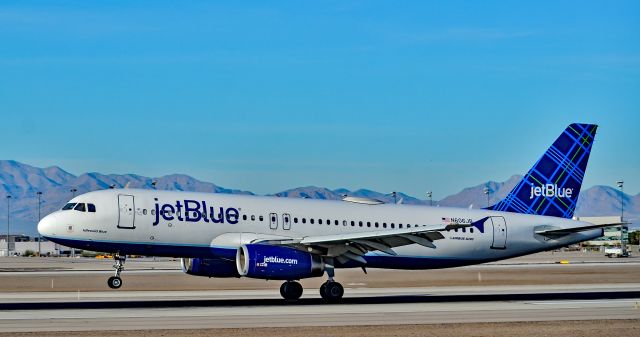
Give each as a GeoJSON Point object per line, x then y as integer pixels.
{"type": "Point", "coordinates": [39, 236]}
{"type": "Point", "coordinates": [8, 228]}
{"type": "Point", "coordinates": [430, 196]}
{"type": "Point", "coordinates": [486, 191]}
{"type": "Point", "coordinates": [621, 185]}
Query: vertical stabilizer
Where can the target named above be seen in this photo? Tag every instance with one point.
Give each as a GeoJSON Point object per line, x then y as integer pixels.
{"type": "Point", "coordinates": [553, 184]}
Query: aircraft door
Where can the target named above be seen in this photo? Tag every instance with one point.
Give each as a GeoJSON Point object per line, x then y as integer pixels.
{"type": "Point", "coordinates": [126, 213]}
{"type": "Point", "coordinates": [286, 221]}
{"type": "Point", "coordinates": [499, 232]}
{"type": "Point", "coordinates": [273, 221]}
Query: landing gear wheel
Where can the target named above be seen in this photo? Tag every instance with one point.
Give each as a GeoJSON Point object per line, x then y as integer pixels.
{"type": "Point", "coordinates": [291, 290]}
{"type": "Point", "coordinates": [331, 291]}
{"type": "Point", "coordinates": [114, 282]}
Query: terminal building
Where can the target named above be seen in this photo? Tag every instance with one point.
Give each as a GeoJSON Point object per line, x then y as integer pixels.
{"type": "Point", "coordinates": [22, 244]}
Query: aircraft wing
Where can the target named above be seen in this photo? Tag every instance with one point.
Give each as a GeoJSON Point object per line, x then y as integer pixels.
{"type": "Point", "coordinates": [353, 246]}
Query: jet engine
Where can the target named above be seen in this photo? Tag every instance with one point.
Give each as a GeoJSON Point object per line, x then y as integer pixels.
{"type": "Point", "coordinates": [209, 267]}
{"type": "Point", "coordinates": [277, 263]}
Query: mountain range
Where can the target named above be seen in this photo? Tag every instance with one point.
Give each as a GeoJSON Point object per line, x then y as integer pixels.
{"type": "Point", "coordinates": [22, 182]}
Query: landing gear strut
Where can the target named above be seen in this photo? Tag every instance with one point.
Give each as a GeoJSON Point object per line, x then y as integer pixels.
{"type": "Point", "coordinates": [291, 290]}
{"type": "Point", "coordinates": [331, 291]}
{"type": "Point", "coordinates": [115, 281]}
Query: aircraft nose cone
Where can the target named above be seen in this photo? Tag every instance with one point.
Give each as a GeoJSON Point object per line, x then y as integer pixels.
{"type": "Point", "coordinates": [46, 226]}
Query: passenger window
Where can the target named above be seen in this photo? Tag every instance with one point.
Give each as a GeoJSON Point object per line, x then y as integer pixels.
{"type": "Point", "coordinates": [80, 207]}
{"type": "Point", "coordinates": [311, 220]}
{"type": "Point", "coordinates": [336, 222]}
{"type": "Point", "coordinates": [68, 206]}
{"type": "Point", "coordinates": [471, 230]}
{"type": "Point", "coordinates": [261, 218]}
{"type": "Point", "coordinates": [253, 218]}
{"type": "Point", "coordinates": [344, 222]}
{"type": "Point", "coordinates": [273, 219]}
{"type": "Point", "coordinates": [295, 220]}
{"type": "Point", "coordinates": [244, 217]}
{"type": "Point", "coordinates": [360, 223]}
{"type": "Point", "coordinates": [92, 208]}
{"type": "Point", "coordinates": [329, 222]}
{"type": "Point", "coordinates": [464, 230]}
{"type": "Point", "coordinates": [319, 221]}
{"type": "Point", "coordinates": [144, 211]}
{"type": "Point", "coordinates": [304, 220]}
{"type": "Point", "coordinates": [400, 226]}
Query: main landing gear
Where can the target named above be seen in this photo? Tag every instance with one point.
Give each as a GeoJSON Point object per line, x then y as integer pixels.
{"type": "Point", "coordinates": [331, 291]}
{"type": "Point", "coordinates": [115, 281]}
{"type": "Point", "coordinates": [291, 290]}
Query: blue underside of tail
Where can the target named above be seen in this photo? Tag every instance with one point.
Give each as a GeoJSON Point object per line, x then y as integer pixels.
{"type": "Point", "coordinates": [552, 186]}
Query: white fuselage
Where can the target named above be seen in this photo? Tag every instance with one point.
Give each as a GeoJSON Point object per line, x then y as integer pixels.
{"type": "Point", "coordinates": [174, 223]}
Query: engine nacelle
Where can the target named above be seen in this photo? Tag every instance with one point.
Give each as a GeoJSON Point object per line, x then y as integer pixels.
{"type": "Point", "coordinates": [277, 263]}
{"type": "Point", "coordinates": [209, 267]}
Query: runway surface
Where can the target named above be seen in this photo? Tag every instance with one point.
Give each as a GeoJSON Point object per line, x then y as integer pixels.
{"type": "Point", "coordinates": [71, 295]}
{"type": "Point", "coordinates": [224, 309]}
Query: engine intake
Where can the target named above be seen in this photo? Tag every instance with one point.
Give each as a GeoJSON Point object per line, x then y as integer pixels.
{"type": "Point", "coordinates": [277, 263]}
{"type": "Point", "coordinates": [209, 267]}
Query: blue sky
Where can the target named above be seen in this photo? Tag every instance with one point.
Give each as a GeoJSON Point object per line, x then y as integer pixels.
{"type": "Point", "coordinates": [264, 96]}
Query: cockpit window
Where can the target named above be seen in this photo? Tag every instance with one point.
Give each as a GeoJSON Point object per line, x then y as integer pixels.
{"type": "Point", "coordinates": [68, 206]}
{"type": "Point", "coordinates": [91, 208]}
{"type": "Point", "coordinates": [80, 207]}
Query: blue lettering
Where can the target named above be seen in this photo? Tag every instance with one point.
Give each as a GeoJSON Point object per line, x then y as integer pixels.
{"type": "Point", "coordinates": [195, 209]}
{"type": "Point", "coordinates": [167, 212]}
{"type": "Point", "coordinates": [232, 215]}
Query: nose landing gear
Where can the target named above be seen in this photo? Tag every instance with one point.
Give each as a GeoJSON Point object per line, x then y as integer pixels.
{"type": "Point", "coordinates": [115, 281]}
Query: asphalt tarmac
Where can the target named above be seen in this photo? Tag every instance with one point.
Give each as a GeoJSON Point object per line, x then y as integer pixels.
{"type": "Point", "coordinates": [584, 287]}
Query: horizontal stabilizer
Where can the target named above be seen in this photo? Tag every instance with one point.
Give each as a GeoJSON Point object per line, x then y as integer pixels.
{"type": "Point", "coordinates": [558, 232]}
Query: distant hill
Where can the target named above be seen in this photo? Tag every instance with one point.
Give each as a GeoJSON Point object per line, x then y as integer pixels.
{"type": "Point", "coordinates": [22, 181]}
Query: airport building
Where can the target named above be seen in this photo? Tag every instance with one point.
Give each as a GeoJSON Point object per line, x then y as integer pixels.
{"type": "Point", "coordinates": [20, 245]}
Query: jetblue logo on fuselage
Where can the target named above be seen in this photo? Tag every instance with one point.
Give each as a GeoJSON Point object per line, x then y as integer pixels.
{"type": "Point", "coordinates": [550, 190]}
{"type": "Point", "coordinates": [195, 211]}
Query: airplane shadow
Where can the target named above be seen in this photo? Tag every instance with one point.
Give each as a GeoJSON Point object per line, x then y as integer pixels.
{"type": "Point", "coordinates": [393, 299]}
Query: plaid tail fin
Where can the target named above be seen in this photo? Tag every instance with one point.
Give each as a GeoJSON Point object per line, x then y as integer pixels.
{"type": "Point", "coordinates": [553, 184]}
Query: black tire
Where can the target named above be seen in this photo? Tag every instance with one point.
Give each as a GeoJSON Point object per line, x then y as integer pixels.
{"type": "Point", "coordinates": [114, 282]}
{"type": "Point", "coordinates": [323, 290]}
{"type": "Point", "coordinates": [332, 291]}
{"type": "Point", "coordinates": [291, 290]}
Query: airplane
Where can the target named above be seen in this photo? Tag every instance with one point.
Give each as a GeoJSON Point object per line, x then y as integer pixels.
{"type": "Point", "coordinates": [288, 239]}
